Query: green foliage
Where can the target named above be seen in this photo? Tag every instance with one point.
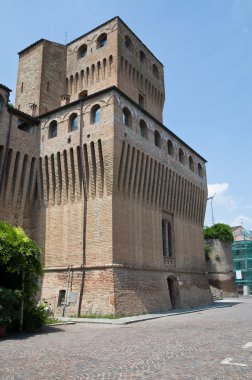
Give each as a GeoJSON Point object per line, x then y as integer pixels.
{"type": "Point", "coordinates": [219, 231]}
{"type": "Point", "coordinates": [20, 258]}
{"type": "Point", "coordinates": [34, 318]}
{"type": "Point", "coordinates": [52, 321]}
{"type": "Point", "coordinates": [9, 306]}
{"type": "Point", "coordinates": [17, 252]}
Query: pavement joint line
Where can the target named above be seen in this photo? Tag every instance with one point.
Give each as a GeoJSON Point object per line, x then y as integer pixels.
{"type": "Point", "coordinates": [144, 317]}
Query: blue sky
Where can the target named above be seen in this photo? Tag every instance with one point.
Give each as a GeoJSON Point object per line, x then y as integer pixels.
{"type": "Point", "coordinates": [206, 48]}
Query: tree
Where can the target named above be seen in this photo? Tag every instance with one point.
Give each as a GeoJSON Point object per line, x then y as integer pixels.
{"type": "Point", "coordinates": [219, 231]}
{"type": "Point", "coordinates": [20, 264]}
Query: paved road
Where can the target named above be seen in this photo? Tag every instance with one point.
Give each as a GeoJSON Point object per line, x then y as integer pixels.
{"type": "Point", "coordinates": [212, 344]}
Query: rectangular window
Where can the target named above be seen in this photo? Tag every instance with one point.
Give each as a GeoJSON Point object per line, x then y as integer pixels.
{"type": "Point", "coordinates": [62, 297]}
{"type": "Point", "coordinates": [167, 236]}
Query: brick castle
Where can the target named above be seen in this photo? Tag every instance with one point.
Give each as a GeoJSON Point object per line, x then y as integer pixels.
{"type": "Point", "coordinates": [114, 199]}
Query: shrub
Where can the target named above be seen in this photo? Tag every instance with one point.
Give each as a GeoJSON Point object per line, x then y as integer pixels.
{"type": "Point", "coordinates": [9, 306]}
{"type": "Point", "coordinates": [219, 231]}
{"type": "Point", "coordinates": [34, 318]}
{"type": "Point", "coordinates": [20, 268]}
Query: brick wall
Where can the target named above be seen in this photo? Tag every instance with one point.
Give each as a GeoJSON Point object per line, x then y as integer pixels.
{"type": "Point", "coordinates": [41, 77]}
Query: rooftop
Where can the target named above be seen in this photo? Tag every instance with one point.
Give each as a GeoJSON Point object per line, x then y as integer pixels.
{"type": "Point", "coordinates": [5, 87]}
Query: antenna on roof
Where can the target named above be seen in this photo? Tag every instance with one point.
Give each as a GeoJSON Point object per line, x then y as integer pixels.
{"type": "Point", "coordinates": [65, 38]}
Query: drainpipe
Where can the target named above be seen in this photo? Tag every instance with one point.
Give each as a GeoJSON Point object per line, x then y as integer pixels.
{"type": "Point", "coordinates": [84, 215]}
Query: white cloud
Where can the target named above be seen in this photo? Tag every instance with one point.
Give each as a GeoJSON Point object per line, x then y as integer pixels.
{"type": "Point", "coordinates": [221, 198]}
{"type": "Point", "coordinates": [225, 208]}
{"type": "Point", "coordinates": [244, 220]}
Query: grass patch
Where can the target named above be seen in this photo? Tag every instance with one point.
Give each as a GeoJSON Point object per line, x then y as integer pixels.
{"type": "Point", "coordinates": [52, 321]}
{"type": "Point", "coordinates": [106, 316]}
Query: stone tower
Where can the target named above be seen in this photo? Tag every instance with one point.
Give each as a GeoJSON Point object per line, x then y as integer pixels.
{"type": "Point", "coordinates": [119, 199]}
{"type": "Point", "coordinates": [41, 77]}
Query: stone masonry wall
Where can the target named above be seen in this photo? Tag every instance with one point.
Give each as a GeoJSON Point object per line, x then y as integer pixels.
{"type": "Point", "coordinates": [220, 267]}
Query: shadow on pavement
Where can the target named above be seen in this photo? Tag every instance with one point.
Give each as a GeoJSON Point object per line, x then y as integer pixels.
{"type": "Point", "coordinates": [225, 303]}
{"type": "Point", "coordinates": [16, 335]}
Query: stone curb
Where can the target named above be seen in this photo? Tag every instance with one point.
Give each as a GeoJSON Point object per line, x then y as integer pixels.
{"type": "Point", "coordinates": [146, 317]}
{"type": "Point", "coordinates": [61, 323]}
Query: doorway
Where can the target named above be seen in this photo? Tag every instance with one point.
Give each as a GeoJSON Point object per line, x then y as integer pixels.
{"type": "Point", "coordinates": [173, 292]}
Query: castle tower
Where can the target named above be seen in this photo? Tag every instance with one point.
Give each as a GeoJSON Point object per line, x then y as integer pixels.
{"type": "Point", "coordinates": [120, 198]}
{"type": "Point", "coordinates": [112, 55]}
{"type": "Point", "coordinates": [41, 73]}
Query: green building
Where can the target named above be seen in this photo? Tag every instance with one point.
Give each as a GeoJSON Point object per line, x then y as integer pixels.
{"type": "Point", "coordinates": [242, 259]}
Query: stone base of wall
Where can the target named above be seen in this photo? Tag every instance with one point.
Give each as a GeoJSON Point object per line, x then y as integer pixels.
{"type": "Point", "coordinates": [124, 291]}
{"type": "Point", "coordinates": [224, 283]}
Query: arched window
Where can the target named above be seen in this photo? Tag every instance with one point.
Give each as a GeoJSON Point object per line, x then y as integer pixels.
{"type": "Point", "coordinates": [127, 119]}
{"type": "Point", "coordinates": [73, 122]}
{"type": "Point", "coordinates": [155, 71]}
{"type": "Point", "coordinates": [181, 156]}
{"type": "Point", "coordinates": [95, 114]}
{"type": "Point", "coordinates": [191, 163]}
{"type": "Point", "coordinates": [52, 129]}
{"type": "Point", "coordinates": [102, 41]}
{"type": "Point", "coordinates": [157, 139]}
{"type": "Point", "coordinates": [143, 129]}
{"type": "Point", "coordinates": [200, 170]}
{"type": "Point", "coordinates": [1, 107]}
{"type": "Point", "coordinates": [142, 57]}
{"type": "Point", "coordinates": [128, 43]}
{"type": "Point", "coordinates": [170, 148]}
{"type": "Point", "coordinates": [82, 52]}
{"type": "Point", "coordinates": [83, 94]}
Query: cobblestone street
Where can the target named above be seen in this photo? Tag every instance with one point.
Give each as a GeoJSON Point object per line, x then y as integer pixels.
{"type": "Point", "coordinates": [212, 344]}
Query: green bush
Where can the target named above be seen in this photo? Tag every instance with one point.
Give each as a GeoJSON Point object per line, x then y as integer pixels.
{"type": "Point", "coordinates": [9, 306]}
{"type": "Point", "coordinates": [34, 318]}
{"type": "Point", "coordinates": [219, 231]}
{"type": "Point", "coordinates": [20, 268]}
